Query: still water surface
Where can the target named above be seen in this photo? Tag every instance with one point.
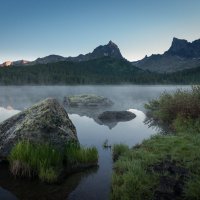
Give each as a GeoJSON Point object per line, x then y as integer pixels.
{"type": "Point", "coordinates": [95, 183]}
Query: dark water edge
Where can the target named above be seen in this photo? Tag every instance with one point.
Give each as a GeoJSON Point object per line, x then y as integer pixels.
{"type": "Point", "coordinates": [27, 189]}
{"type": "Point", "coordinates": [6, 195]}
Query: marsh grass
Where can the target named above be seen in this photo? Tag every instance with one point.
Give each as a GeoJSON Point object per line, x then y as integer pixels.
{"type": "Point", "coordinates": [28, 160]}
{"type": "Point", "coordinates": [133, 176]}
{"type": "Point", "coordinates": [118, 150]}
{"type": "Point", "coordinates": [43, 160]}
{"type": "Point", "coordinates": [79, 155]}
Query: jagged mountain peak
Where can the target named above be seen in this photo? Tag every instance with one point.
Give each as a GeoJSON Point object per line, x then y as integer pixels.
{"type": "Point", "coordinates": [177, 45]}
{"type": "Point", "coordinates": [181, 55]}
{"type": "Point", "coordinates": [111, 43]}
{"type": "Point", "coordinates": [111, 50]}
{"type": "Point", "coordinates": [184, 49]}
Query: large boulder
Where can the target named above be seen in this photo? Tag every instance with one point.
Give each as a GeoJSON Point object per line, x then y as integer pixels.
{"type": "Point", "coordinates": [45, 122]}
{"type": "Point", "coordinates": [87, 100]}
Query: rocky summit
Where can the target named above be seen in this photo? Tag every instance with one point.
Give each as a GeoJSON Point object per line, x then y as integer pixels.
{"type": "Point", "coordinates": [181, 55]}
{"type": "Point", "coordinates": [45, 122]}
{"type": "Point", "coordinates": [108, 50]}
{"type": "Point", "coordinates": [184, 49]}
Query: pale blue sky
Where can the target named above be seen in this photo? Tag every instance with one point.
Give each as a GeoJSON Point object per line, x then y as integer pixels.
{"type": "Point", "coordinates": [36, 28]}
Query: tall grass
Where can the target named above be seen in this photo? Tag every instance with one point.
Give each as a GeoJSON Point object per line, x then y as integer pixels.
{"type": "Point", "coordinates": [118, 150]}
{"type": "Point", "coordinates": [182, 104]}
{"type": "Point", "coordinates": [78, 155]}
{"type": "Point", "coordinates": [28, 160]}
{"type": "Point", "coordinates": [43, 160]}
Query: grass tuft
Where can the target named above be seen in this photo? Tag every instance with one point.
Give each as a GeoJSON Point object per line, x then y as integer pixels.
{"type": "Point", "coordinates": [29, 160]}
{"type": "Point", "coordinates": [118, 150]}
{"type": "Point", "coordinates": [78, 155]}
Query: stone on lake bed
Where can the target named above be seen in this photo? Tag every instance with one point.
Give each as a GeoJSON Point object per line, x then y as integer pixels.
{"type": "Point", "coordinates": [116, 116]}
{"type": "Point", "coordinates": [89, 100]}
{"type": "Point", "coordinates": [45, 122]}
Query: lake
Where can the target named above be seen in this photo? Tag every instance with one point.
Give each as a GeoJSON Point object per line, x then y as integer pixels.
{"type": "Point", "coordinates": [94, 183]}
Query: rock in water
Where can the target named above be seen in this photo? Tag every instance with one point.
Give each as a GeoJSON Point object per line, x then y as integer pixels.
{"type": "Point", "coordinates": [87, 100]}
{"type": "Point", "coordinates": [116, 116]}
{"type": "Point", "coordinates": [45, 122]}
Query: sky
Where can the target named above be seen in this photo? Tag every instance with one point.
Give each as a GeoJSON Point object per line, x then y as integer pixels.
{"type": "Point", "coordinates": [35, 28]}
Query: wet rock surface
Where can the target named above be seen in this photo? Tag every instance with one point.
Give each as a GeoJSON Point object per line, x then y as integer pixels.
{"type": "Point", "coordinates": [45, 122]}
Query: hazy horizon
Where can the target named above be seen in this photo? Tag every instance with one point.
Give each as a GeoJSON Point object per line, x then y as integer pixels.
{"type": "Point", "coordinates": [37, 28]}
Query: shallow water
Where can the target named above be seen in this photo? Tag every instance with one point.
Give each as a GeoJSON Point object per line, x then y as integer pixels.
{"type": "Point", "coordinates": [92, 184]}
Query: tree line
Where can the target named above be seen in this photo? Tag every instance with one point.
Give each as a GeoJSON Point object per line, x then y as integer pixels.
{"type": "Point", "coordinates": [98, 71]}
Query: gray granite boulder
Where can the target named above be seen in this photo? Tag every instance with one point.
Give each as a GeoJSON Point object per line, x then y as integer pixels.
{"type": "Point", "coordinates": [87, 100]}
{"type": "Point", "coordinates": [45, 122]}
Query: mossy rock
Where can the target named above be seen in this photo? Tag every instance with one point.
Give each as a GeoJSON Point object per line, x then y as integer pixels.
{"type": "Point", "coordinates": [89, 100]}
{"type": "Point", "coordinates": [45, 122]}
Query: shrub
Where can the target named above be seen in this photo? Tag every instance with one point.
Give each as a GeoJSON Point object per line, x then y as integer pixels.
{"type": "Point", "coordinates": [183, 104]}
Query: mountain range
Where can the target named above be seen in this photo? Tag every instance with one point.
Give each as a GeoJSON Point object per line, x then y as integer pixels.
{"type": "Point", "coordinates": [108, 50]}
{"type": "Point", "coordinates": [180, 56]}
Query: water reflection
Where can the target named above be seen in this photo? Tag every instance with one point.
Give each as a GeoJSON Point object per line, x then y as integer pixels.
{"type": "Point", "coordinates": [5, 113]}
{"type": "Point", "coordinates": [6, 195]}
{"type": "Point", "coordinates": [93, 113]}
{"type": "Point", "coordinates": [159, 127]}
{"type": "Point", "coordinates": [33, 189]}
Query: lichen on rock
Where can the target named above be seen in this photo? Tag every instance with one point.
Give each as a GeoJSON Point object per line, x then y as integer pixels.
{"type": "Point", "coordinates": [87, 100]}
{"type": "Point", "coordinates": [45, 122]}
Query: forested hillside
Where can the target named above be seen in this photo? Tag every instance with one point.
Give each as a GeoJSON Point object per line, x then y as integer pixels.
{"type": "Point", "coordinates": [98, 71]}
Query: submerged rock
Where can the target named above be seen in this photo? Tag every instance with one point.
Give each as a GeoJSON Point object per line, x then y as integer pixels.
{"type": "Point", "coordinates": [116, 116]}
{"type": "Point", "coordinates": [45, 122]}
{"type": "Point", "coordinates": [89, 100]}
{"type": "Point", "coordinates": [111, 118]}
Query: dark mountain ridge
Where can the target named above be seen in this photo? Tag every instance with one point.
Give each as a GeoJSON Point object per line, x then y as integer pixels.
{"type": "Point", "coordinates": [184, 49]}
{"type": "Point", "coordinates": [108, 50]}
{"type": "Point", "coordinates": [181, 55]}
